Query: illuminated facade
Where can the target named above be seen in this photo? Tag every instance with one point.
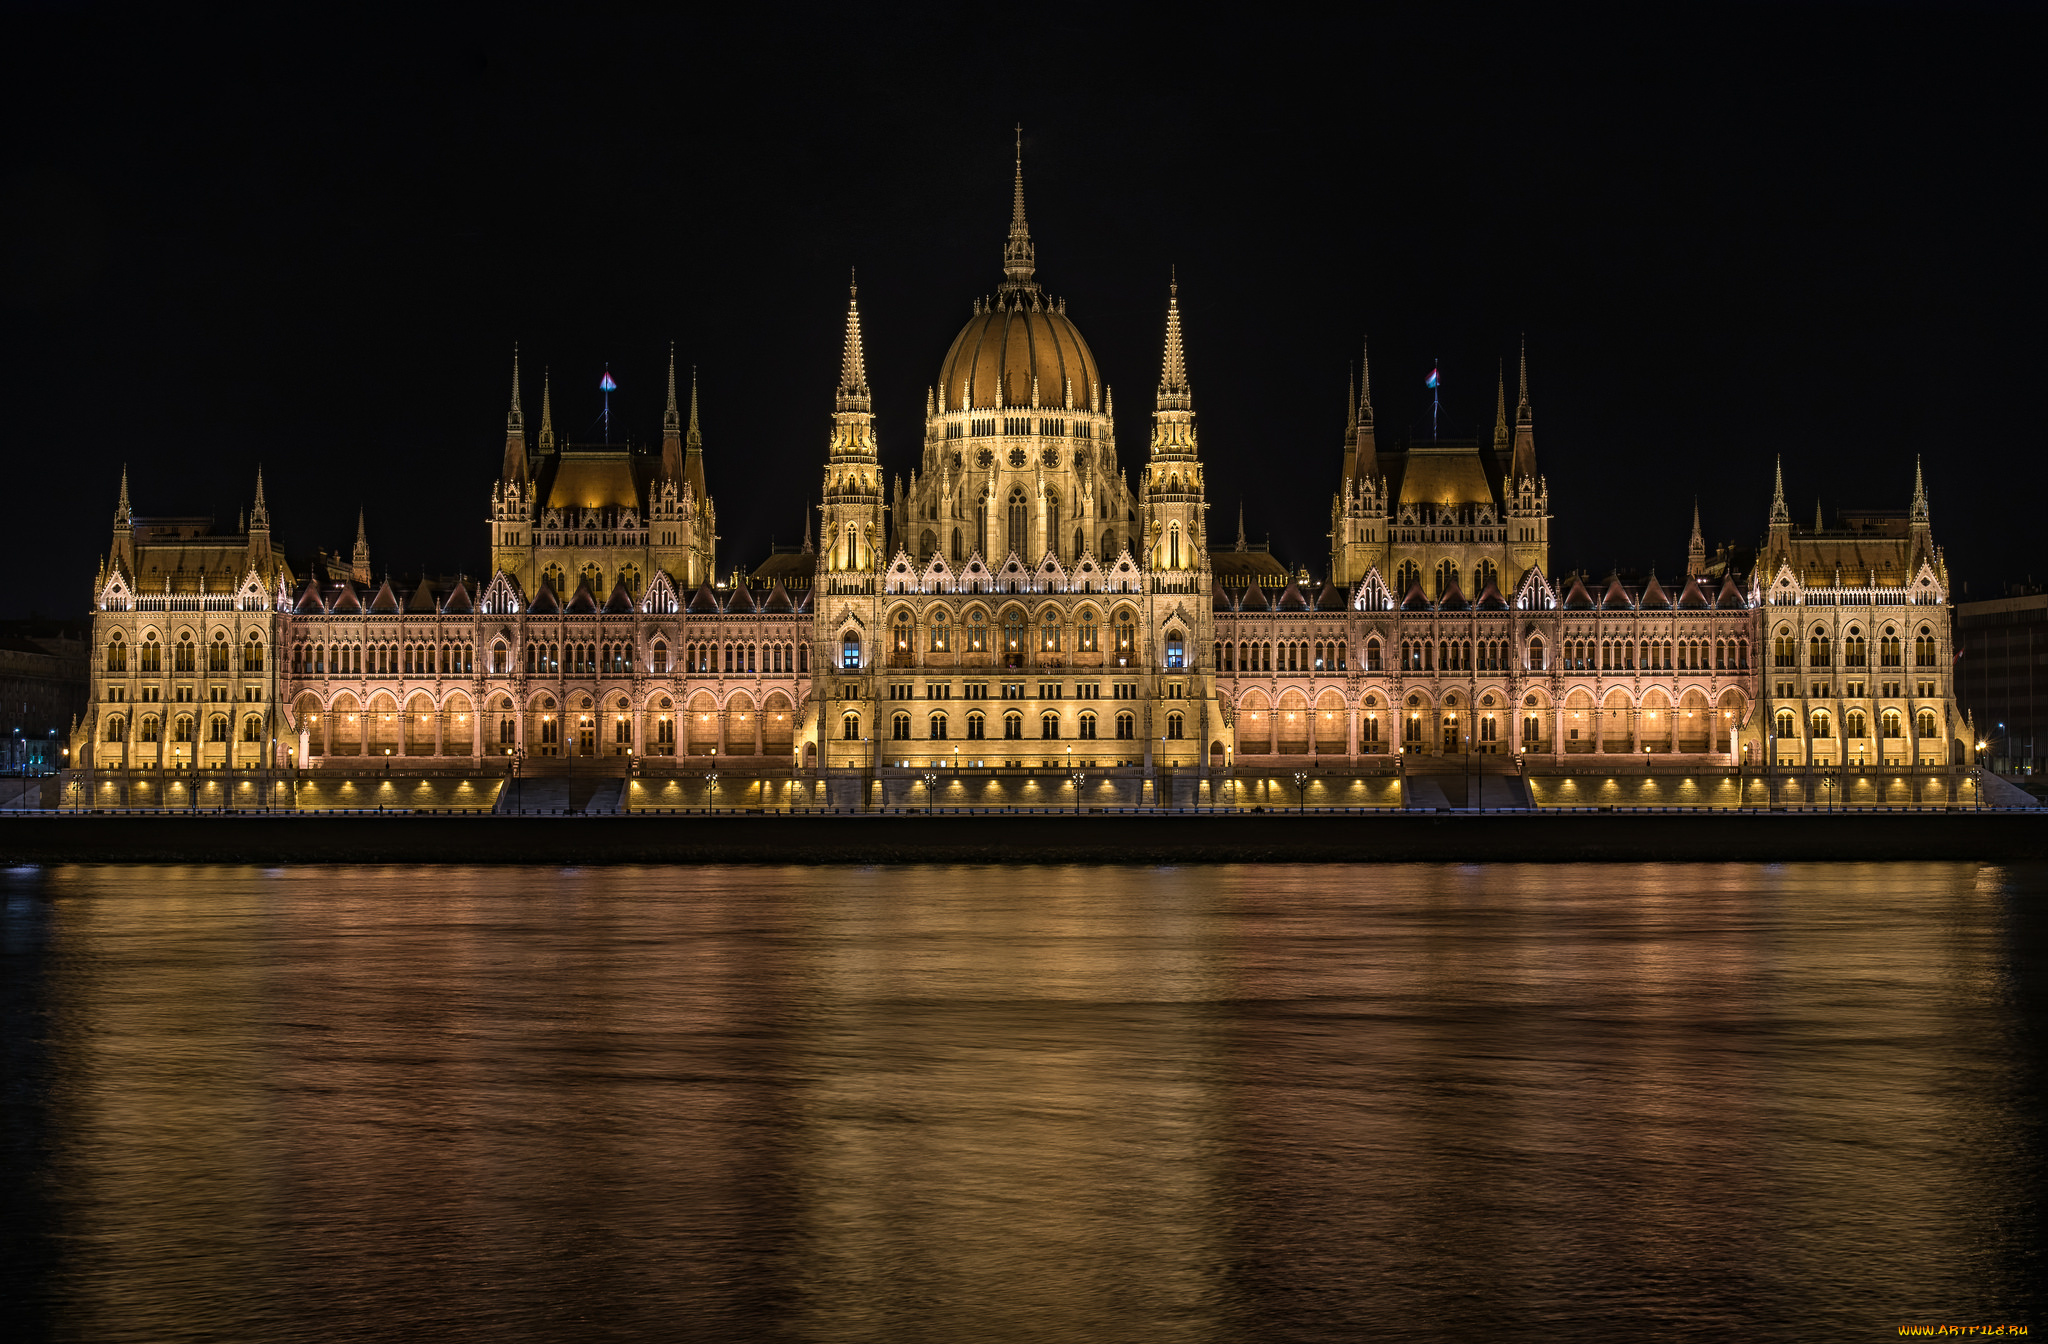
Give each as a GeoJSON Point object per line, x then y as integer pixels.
{"type": "Point", "coordinates": [1022, 601]}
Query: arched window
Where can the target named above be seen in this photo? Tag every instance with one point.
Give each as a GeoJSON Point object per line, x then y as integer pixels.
{"type": "Point", "coordinates": [977, 726]}
{"type": "Point", "coordinates": [660, 659]}
{"type": "Point", "coordinates": [1013, 636]}
{"type": "Point", "coordinates": [1126, 727]}
{"type": "Point", "coordinates": [958, 557]}
{"type": "Point", "coordinates": [1823, 724]}
{"type": "Point", "coordinates": [217, 728]}
{"type": "Point", "coordinates": [849, 651]}
{"type": "Point", "coordinates": [977, 631]}
{"type": "Point", "coordinates": [1013, 726]}
{"type": "Point", "coordinates": [181, 730]}
{"type": "Point", "coordinates": [1087, 726]}
{"type": "Point", "coordinates": [117, 729]}
{"type": "Point", "coordinates": [1173, 547]}
{"type": "Point", "coordinates": [117, 653]}
{"type": "Point", "coordinates": [938, 727]}
{"type": "Point", "coordinates": [942, 633]}
{"type": "Point", "coordinates": [252, 729]}
{"type": "Point", "coordinates": [1923, 648]}
{"type": "Point", "coordinates": [1892, 723]}
{"type": "Point", "coordinates": [1087, 633]}
{"type": "Point", "coordinates": [1176, 651]}
{"type": "Point", "coordinates": [1052, 520]}
{"type": "Point", "coordinates": [151, 729]}
{"type": "Point", "coordinates": [1924, 724]}
{"type": "Point", "coordinates": [1854, 652]}
{"type": "Point", "coordinates": [1784, 649]}
{"type": "Point", "coordinates": [217, 653]}
{"type": "Point", "coordinates": [1854, 724]}
{"type": "Point", "coordinates": [1126, 638]}
{"type": "Point", "coordinates": [1174, 723]}
{"type": "Point", "coordinates": [1788, 723]}
{"type": "Point", "coordinates": [1049, 633]}
{"type": "Point", "coordinates": [1406, 579]}
{"type": "Point", "coordinates": [1820, 649]}
{"type": "Point", "coordinates": [803, 657]}
{"type": "Point", "coordinates": [1049, 725]}
{"type": "Point", "coordinates": [849, 727]}
{"type": "Point", "coordinates": [187, 657]}
{"type": "Point", "coordinates": [1888, 649]}
{"type": "Point", "coordinates": [899, 728]}
{"type": "Point", "coordinates": [902, 635]}
{"type": "Point", "coordinates": [1372, 655]}
{"type": "Point", "coordinates": [1020, 536]}
{"type": "Point", "coordinates": [1446, 578]}
{"type": "Point", "coordinates": [1536, 655]}
{"type": "Point", "coordinates": [1485, 576]}
{"type": "Point", "coordinates": [152, 653]}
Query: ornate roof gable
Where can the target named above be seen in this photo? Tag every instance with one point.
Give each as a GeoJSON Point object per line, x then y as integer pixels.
{"type": "Point", "coordinates": [502, 596]}
{"type": "Point", "coordinates": [1372, 593]}
{"type": "Point", "coordinates": [660, 598]}
{"type": "Point", "coordinates": [1535, 593]}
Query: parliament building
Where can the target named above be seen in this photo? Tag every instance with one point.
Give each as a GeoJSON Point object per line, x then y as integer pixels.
{"type": "Point", "coordinates": [1025, 616]}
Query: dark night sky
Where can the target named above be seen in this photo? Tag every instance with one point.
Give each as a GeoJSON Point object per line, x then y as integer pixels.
{"type": "Point", "coordinates": [311, 244]}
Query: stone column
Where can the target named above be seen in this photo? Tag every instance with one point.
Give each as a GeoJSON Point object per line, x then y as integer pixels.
{"type": "Point", "coordinates": [440, 721]}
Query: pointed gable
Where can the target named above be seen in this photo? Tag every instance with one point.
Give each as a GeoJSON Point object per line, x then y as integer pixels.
{"type": "Point", "coordinates": [309, 603]}
{"type": "Point", "coordinates": [1454, 600]}
{"type": "Point", "coordinates": [545, 603]}
{"type": "Point", "coordinates": [1653, 598]}
{"type": "Point", "coordinates": [704, 602]}
{"type": "Point", "coordinates": [584, 603]}
{"type": "Point", "coordinates": [620, 603]}
{"type": "Point", "coordinates": [1490, 598]}
{"type": "Point", "coordinates": [741, 603]}
{"type": "Point", "coordinates": [1219, 598]}
{"type": "Point", "coordinates": [1373, 594]}
{"type": "Point", "coordinates": [1692, 597]}
{"type": "Point", "coordinates": [386, 601]}
{"type": "Point", "coordinates": [422, 599]}
{"type": "Point", "coordinates": [1576, 598]}
{"type": "Point", "coordinates": [660, 598]}
{"type": "Point", "coordinates": [778, 601]}
{"type": "Point", "coordinates": [457, 602]}
{"type": "Point", "coordinates": [1730, 597]}
{"type": "Point", "coordinates": [1254, 600]}
{"type": "Point", "coordinates": [1616, 597]}
{"type": "Point", "coordinates": [1293, 599]}
{"type": "Point", "coordinates": [502, 596]}
{"type": "Point", "coordinates": [1415, 601]}
{"type": "Point", "coordinates": [1331, 598]}
{"type": "Point", "coordinates": [902, 576]}
{"type": "Point", "coordinates": [1535, 592]}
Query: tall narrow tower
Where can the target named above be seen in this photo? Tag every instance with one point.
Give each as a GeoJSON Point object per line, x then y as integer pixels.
{"type": "Point", "coordinates": [512, 498]}
{"type": "Point", "coordinates": [1526, 492]}
{"type": "Point", "coordinates": [1176, 550]}
{"type": "Point", "coordinates": [851, 540]}
{"type": "Point", "coordinates": [1358, 513]}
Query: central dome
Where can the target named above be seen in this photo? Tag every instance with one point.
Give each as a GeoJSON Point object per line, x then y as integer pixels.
{"type": "Point", "coordinates": [1003, 348]}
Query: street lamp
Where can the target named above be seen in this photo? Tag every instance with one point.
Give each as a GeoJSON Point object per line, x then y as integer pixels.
{"type": "Point", "coordinates": [1079, 777]}
{"type": "Point", "coordinates": [1300, 789]}
{"type": "Point", "coordinates": [929, 780]}
{"type": "Point", "coordinates": [710, 789]}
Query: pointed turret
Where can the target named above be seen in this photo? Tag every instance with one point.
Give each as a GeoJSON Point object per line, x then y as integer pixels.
{"type": "Point", "coordinates": [853, 364]}
{"type": "Point", "coordinates": [807, 528]}
{"type": "Point", "coordinates": [693, 449]}
{"type": "Point", "coordinates": [1020, 259]}
{"type": "Point", "coordinates": [1241, 544]}
{"type": "Point", "coordinates": [1174, 392]}
{"type": "Point", "coordinates": [547, 416]}
{"type": "Point", "coordinates": [259, 516]}
{"type": "Point", "coordinates": [1500, 414]}
{"type": "Point", "coordinates": [124, 528]}
{"type": "Point", "coordinates": [259, 529]}
{"type": "Point", "coordinates": [514, 468]}
{"type": "Point", "coordinates": [672, 426]}
{"type": "Point", "coordinates": [1779, 513]}
{"type": "Point", "coordinates": [1919, 510]}
{"type": "Point", "coordinates": [1361, 451]}
{"type": "Point", "coordinates": [1817, 525]}
{"type": "Point", "coordinates": [360, 566]}
{"type": "Point", "coordinates": [1525, 427]}
{"type": "Point", "coordinates": [123, 515]}
{"type": "Point", "coordinates": [1173, 478]}
{"type": "Point", "coordinates": [1696, 549]}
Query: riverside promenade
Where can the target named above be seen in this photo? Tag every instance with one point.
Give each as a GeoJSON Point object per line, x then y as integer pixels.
{"type": "Point", "coordinates": [1012, 837]}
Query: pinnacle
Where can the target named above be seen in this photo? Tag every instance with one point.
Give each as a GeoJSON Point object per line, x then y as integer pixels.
{"type": "Point", "coordinates": [1364, 381]}
{"type": "Point", "coordinates": [1020, 260]}
{"type": "Point", "coordinates": [695, 440]}
{"type": "Point", "coordinates": [1522, 416]}
{"type": "Point", "coordinates": [547, 419]}
{"type": "Point", "coordinates": [853, 370]}
{"type": "Point", "coordinates": [514, 421]}
{"type": "Point", "coordinates": [1174, 393]}
{"type": "Point", "coordinates": [670, 419]}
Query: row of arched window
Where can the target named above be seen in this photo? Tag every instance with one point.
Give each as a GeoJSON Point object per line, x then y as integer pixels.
{"type": "Point", "coordinates": [1016, 633]}
{"type": "Point", "coordinates": [150, 728]}
{"type": "Point", "coordinates": [220, 653]}
{"type": "Point", "coordinates": [1855, 650]}
{"type": "Point", "coordinates": [938, 726]}
{"type": "Point", "coordinates": [319, 659]}
{"type": "Point", "coordinates": [738, 658]}
{"type": "Point", "coordinates": [1855, 724]}
{"type": "Point", "coordinates": [1293, 655]}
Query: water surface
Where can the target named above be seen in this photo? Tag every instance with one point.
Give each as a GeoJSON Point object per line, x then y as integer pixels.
{"type": "Point", "coordinates": [1546, 1102]}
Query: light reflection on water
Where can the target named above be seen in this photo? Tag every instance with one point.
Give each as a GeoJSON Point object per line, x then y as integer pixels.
{"type": "Point", "coordinates": [1572, 1102]}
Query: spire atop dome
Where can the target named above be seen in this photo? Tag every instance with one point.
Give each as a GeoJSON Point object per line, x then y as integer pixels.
{"type": "Point", "coordinates": [1174, 393]}
{"type": "Point", "coordinates": [1020, 259]}
{"type": "Point", "coordinates": [853, 367]}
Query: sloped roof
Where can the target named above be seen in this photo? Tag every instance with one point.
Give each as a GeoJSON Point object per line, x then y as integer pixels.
{"type": "Point", "coordinates": [458, 603]}
{"type": "Point", "coordinates": [741, 601]}
{"type": "Point", "coordinates": [1576, 598]}
{"type": "Point", "coordinates": [422, 599]}
{"type": "Point", "coordinates": [545, 603]}
{"type": "Point", "coordinates": [778, 600]}
{"type": "Point", "coordinates": [385, 600]}
{"type": "Point", "coordinates": [704, 602]}
{"type": "Point", "coordinates": [1293, 599]}
{"type": "Point", "coordinates": [620, 603]}
{"type": "Point", "coordinates": [1653, 598]}
{"type": "Point", "coordinates": [1254, 600]}
{"type": "Point", "coordinates": [1490, 598]}
{"type": "Point", "coordinates": [1332, 598]}
{"type": "Point", "coordinates": [584, 603]}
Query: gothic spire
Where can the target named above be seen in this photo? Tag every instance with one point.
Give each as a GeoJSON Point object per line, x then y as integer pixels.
{"type": "Point", "coordinates": [1351, 407]}
{"type": "Point", "coordinates": [671, 419]}
{"type": "Point", "coordinates": [1696, 548]}
{"type": "Point", "coordinates": [260, 515]}
{"type": "Point", "coordinates": [807, 527]}
{"type": "Point", "coordinates": [1174, 393]}
{"type": "Point", "coordinates": [122, 513]}
{"type": "Point", "coordinates": [694, 440]}
{"type": "Point", "coordinates": [853, 367]}
{"type": "Point", "coordinates": [1779, 513]}
{"type": "Point", "coordinates": [1020, 259]}
{"type": "Point", "coordinates": [515, 423]}
{"type": "Point", "coordinates": [360, 568]}
{"type": "Point", "coordinates": [1240, 527]}
{"type": "Point", "coordinates": [1522, 414]}
{"type": "Point", "coordinates": [1919, 493]}
{"type": "Point", "coordinates": [1500, 412]}
{"type": "Point", "coordinates": [1364, 382]}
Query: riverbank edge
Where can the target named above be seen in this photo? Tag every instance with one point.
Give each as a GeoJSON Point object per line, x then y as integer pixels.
{"type": "Point", "coordinates": [1124, 838]}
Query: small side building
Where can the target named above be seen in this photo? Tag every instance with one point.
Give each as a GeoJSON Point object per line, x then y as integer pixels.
{"type": "Point", "coordinates": [2002, 677]}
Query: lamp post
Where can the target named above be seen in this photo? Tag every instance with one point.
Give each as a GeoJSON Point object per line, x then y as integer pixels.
{"type": "Point", "coordinates": [930, 779]}
{"type": "Point", "coordinates": [710, 789]}
{"type": "Point", "coordinates": [1300, 791]}
{"type": "Point", "coordinates": [1079, 777]}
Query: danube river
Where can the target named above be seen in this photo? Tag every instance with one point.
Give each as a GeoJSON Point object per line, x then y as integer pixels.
{"type": "Point", "coordinates": [1087, 1104]}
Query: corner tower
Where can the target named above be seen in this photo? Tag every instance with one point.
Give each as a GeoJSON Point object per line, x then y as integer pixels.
{"type": "Point", "coordinates": [850, 515]}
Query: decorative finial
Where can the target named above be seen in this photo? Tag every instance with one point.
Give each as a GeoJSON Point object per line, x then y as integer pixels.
{"type": "Point", "coordinates": [1240, 527]}
{"type": "Point", "coordinates": [1174, 393]}
{"type": "Point", "coordinates": [260, 515]}
{"type": "Point", "coordinates": [1919, 493]}
{"type": "Point", "coordinates": [122, 513]}
{"type": "Point", "coordinates": [1500, 408]}
{"type": "Point", "coordinates": [547, 417]}
{"type": "Point", "coordinates": [853, 370]}
{"type": "Point", "coordinates": [1364, 382]}
{"type": "Point", "coordinates": [694, 440]}
{"type": "Point", "coordinates": [1522, 416]}
{"type": "Point", "coordinates": [1779, 513]}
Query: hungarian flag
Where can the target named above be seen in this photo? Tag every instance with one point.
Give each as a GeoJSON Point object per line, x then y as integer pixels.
{"type": "Point", "coordinates": [607, 385]}
{"type": "Point", "coordinates": [1432, 380]}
